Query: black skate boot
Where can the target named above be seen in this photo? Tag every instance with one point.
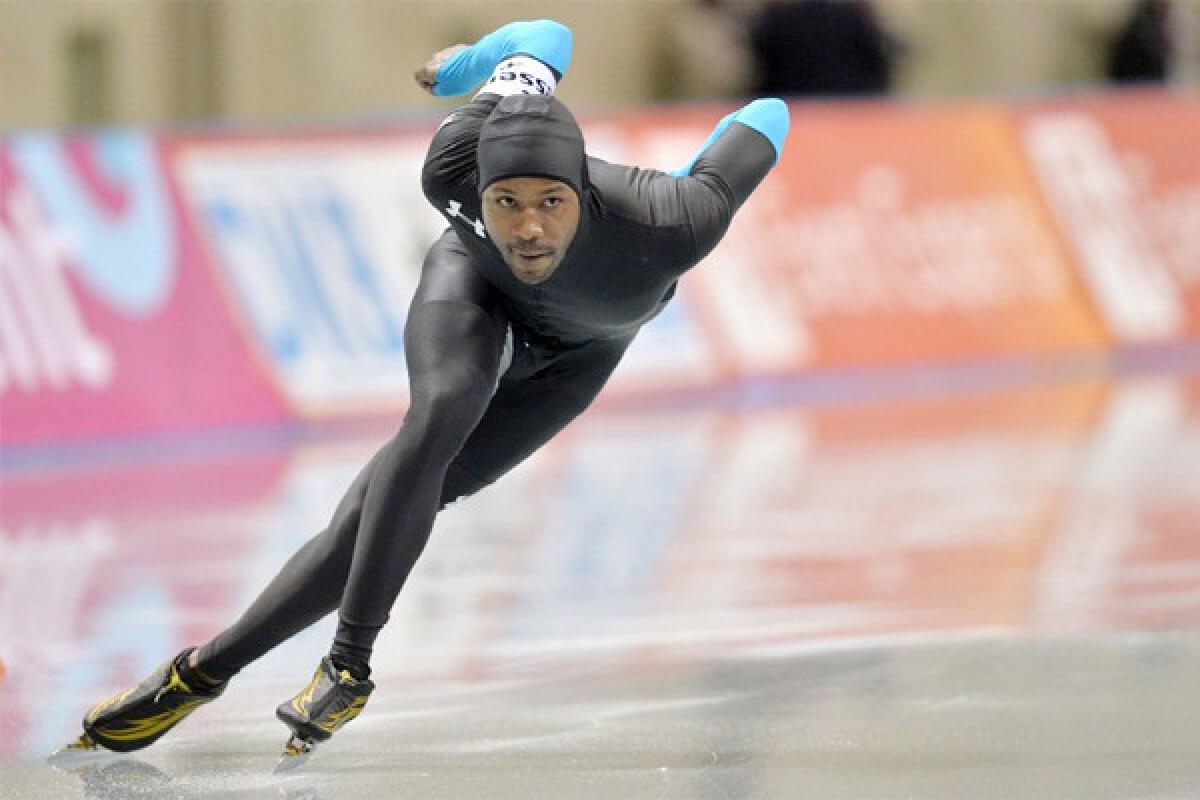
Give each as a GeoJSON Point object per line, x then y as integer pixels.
{"type": "Point", "coordinates": [332, 698]}
{"type": "Point", "coordinates": [137, 717]}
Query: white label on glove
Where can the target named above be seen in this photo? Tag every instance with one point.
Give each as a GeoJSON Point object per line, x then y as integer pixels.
{"type": "Point", "coordinates": [520, 75]}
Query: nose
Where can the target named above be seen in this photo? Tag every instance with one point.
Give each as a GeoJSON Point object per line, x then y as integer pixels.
{"type": "Point", "coordinates": [529, 227]}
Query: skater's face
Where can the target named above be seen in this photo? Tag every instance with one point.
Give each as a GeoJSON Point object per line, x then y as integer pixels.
{"type": "Point", "coordinates": [532, 222]}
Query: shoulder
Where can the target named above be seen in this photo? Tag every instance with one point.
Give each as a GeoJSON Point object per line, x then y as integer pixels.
{"type": "Point", "coordinates": [648, 211]}
{"type": "Point", "coordinates": [450, 160]}
{"type": "Point", "coordinates": [682, 216]}
{"type": "Point", "coordinates": [642, 196]}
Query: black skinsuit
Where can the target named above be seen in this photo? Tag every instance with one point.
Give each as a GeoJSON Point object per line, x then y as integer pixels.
{"type": "Point", "coordinates": [639, 231]}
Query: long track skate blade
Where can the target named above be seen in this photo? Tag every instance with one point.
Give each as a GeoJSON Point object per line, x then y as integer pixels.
{"type": "Point", "coordinates": [295, 754]}
{"type": "Point", "coordinates": [80, 753]}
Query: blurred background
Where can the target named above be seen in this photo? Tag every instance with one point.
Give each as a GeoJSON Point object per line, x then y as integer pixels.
{"type": "Point", "coordinates": [73, 62]}
{"type": "Point", "coordinates": [896, 498]}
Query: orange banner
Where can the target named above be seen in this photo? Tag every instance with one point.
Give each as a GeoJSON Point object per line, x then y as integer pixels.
{"type": "Point", "coordinates": [1123, 178]}
{"type": "Point", "coordinates": [888, 234]}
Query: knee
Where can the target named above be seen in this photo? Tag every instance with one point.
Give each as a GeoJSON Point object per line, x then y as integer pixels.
{"type": "Point", "coordinates": [450, 408]}
{"type": "Point", "coordinates": [335, 544]}
{"type": "Point", "coordinates": [459, 396]}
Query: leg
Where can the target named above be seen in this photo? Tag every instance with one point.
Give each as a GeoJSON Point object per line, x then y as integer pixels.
{"type": "Point", "coordinates": [534, 401]}
{"type": "Point", "coordinates": [307, 588]}
{"type": "Point", "coordinates": [312, 582]}
{"type": "Point", "coordinates": [453, 341]}
{"type": "Point", "coordinates": [530, 407]}
{"type": "Point", "coordinates": [454, 338]}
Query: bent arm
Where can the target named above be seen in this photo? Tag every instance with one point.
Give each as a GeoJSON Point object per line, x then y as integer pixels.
{"type": "Point", "coordinates": [527, 57]}
{"type": "Point", "coordinates": [545, 40]}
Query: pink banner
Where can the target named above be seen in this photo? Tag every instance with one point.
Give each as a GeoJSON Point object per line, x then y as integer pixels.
{"type": "Point", "coordinates": [110, 321]}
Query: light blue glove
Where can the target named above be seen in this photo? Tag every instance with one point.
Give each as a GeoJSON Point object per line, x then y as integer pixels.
{"type": "Point", "coordinates": [546, 40]}
{"type": "Point", "coordinates": [769, 116]}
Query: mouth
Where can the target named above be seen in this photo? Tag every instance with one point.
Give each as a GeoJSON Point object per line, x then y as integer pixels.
{"type": "Point", "coordinates": [533, 255]}
{"type": "Point", "coordinates": [532, 266]}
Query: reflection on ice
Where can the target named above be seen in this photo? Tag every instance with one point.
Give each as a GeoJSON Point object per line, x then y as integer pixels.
{"type": "Point", "coordinates": [639, 545]}
{"type": "Point", "coordinates": [131, 778]}
{"type": "Point", "coordinates": [125, 779]}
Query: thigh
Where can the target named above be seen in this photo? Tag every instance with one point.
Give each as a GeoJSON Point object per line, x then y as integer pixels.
{"type": "Point", "coordinates": [455, 324]}
{"type": "Point", "coordinates": [448, 276]}
{"type": "Point", "coordinates": [526, 412]}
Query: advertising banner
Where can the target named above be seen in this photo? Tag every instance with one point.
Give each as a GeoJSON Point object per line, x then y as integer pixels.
{"type": "Point", "coordinates": [1123, 179]}
{"type": "Point", "coordinates": [109, 321]}
{"type": "Point", "coordinates": [886, 234]}
{"type": "Point", "coordinates": [317, 243]}
{"type": "Point", "coordinates": [152, 283]}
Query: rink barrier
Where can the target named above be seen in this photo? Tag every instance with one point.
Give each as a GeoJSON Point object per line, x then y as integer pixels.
{"type": "Point", "coordinates": [166, 281]}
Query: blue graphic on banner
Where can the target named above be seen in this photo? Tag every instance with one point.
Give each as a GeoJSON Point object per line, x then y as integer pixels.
{"type": "Point", "coordinates": [325, 292]}
{"type": "Point", "coordinates": [127, 260]}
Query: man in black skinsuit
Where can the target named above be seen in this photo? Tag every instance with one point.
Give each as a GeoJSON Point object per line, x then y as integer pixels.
{"type": "Point", "coordinates": [552, 262]}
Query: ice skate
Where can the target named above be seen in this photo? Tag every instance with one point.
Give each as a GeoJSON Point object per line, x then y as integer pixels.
{"type": "Point", "coordinates": [137, 717]}
{"type": "Point", "coordinates": [332, 698]}
{"type": "Point", "coordinates": [80, 754]}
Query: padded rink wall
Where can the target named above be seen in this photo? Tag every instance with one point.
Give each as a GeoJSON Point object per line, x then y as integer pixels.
{"type": "Point", "coordinates": [157, 282]}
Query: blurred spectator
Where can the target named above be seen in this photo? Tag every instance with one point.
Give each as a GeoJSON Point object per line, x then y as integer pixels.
{"type": "Point", "coordinates": [707, 51]}
{"type": "Point", "coordinates": [1140, 52]}
{"type": "Point", "coordinates": [822, 47]}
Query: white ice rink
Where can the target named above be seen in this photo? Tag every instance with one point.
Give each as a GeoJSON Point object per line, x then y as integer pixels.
{"type": "Point", "coordinates": [992, 595]}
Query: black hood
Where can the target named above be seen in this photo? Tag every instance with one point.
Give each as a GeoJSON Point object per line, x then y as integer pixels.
{"type": "Point", "coordinates": [532, 136]}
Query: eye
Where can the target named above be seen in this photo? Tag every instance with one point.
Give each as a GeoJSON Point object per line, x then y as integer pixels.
{"type": "Point", "coordinates": [506, 201]}
{"type": "Point", "coordinates": [552, 202]}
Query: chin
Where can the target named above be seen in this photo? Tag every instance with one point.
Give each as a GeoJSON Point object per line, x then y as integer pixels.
{"type": "Point", "coordinates": [534, 279]}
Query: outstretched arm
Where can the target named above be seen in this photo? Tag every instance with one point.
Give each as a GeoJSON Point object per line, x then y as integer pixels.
{"type": "Point", "coordinates": [459, 69]}
{"type": "Point", "coordinates": [768, 116]}
{"type": "Point", "coordinates": [730, 165]}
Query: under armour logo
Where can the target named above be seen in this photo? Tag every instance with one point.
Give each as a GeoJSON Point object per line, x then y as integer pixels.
{"type": "Point", "coordinates": [455, 210]}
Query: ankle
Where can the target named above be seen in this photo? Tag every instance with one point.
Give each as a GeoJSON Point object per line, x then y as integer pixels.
{"type": "Point", "coordinates": [351, 650]}
{"type": "Point", "coordinates": [205, 680]}
{"type": "Point", "coordinates": [359, 670]}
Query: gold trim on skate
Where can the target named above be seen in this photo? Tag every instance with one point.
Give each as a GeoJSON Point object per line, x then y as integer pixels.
{"type": "Point", "coordinates": [84, 742]}
{"type": "Point", "coordinates": [108, 702]}
{"type": "Point", "coordinates": [306, 695]}
{"type": "Point", "coordinates": [339, 718]}
{"type": "Point", "coordinates": [79, 754]}
{"type": "Point", "coordinates": [175, 681]}
{"type": "Point", "coordinates": [136, 717]}
{"type": "Point", "coordinates": [295, 753]}
{"type": "Point", "coordinates": [296, 746]}
{"type": "Point", "coordinates": [137, 729]}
